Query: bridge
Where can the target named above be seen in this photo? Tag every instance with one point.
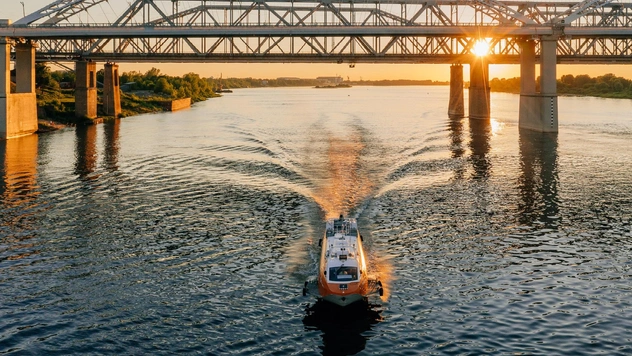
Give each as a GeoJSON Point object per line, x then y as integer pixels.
{"type": "Point", "coordinates": [344, 31]}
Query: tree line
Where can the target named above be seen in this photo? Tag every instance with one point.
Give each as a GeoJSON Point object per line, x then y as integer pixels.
{"type": "Point", "coordinates": [190, 85]}
{"type": "Point", "coordinates": [606, 86]}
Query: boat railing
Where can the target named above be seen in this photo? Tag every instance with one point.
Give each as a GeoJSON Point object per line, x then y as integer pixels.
{"type": "Point", "coordinates": [342, 227]}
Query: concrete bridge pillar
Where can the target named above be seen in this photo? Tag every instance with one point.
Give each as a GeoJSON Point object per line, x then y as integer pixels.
{"type": "Point", "coordinates": [456, 104]}
{"type": "Point", "coordinates": [5, 74]}
{"type": "Point", "coordinates": [529, 113]}
{"type": "Point", "coordinates": [111, 90]}
{"type": "Point", "coordinates": [479, 98]}
{"type": "Point", "coordinates": [86, 89]}
{"type": "Point", "coordinates": [25, 68]}
{"type": "Point", "coordinates": [548, 84]}
{"type": "Point", "coordinates": [538, 111]}
{"type": "Point", "coordinates": [18, 111]}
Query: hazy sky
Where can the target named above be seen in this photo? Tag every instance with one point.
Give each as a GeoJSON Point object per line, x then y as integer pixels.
{"type": "Point", "coordinates": [12, 9]}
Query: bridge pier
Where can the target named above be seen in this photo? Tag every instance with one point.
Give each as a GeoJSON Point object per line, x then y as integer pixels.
{"type": "Point", "coordinates": [479, 98]}
{"type": "Point", "coordinates": [456, 105]}
{"type": "Point", "coordinates": [111, 90]}
{"type": "Point", "coordinates": [86, 89]}
{"type": "Point", "coordinates": [18, 111]}
{"type": "Point", "coordinates": [538, 111]}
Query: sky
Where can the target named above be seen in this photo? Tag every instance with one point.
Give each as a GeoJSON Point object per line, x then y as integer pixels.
{"type": "Point", "coordinates": [12, 9]}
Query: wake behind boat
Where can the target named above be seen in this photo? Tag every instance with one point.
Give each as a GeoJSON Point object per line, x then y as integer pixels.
{"type": "Point", "coordinates": [343, 277]}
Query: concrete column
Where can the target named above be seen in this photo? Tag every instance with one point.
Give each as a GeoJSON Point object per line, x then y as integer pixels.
{"type": "Point", "coordinates": [111, 91]}
{"type": "Point", "coordinates": [529, 113]}
{"type": "Point", "coordinates": [18, 111]}
{"type": "Point", "coordinates": [25, 68]}
{"type": "Point", "coordinates": [527, 67]}
{"type": "Point", "coordinates": [538, 111]}
{"type": "Point", "coordinates": [456, 104]}
{"type": "Point", "coordinates": [5, 67]}
{"type": "Point", "coordinates": [5, 84]}
{"type": "Point", "coordinates": [86, 89]}
{"type": "Point", "coordinates": [479, 98]}
{"type": "Point", "coordinates": [548, 66]}
{"type": "Point", "coordinates": [548, 84]}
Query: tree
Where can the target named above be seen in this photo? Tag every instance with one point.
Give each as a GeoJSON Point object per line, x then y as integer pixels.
{"type": "Point", "coordinates": [583, 80]}
{"type": "Point", "coordinates": [153, 73]}
{"type": "Point", "coordinates": [163, 86]}
{"type": "Point", "coordinates": [568, 79]}
{"type": "Point", "coordinates": [43, 78]}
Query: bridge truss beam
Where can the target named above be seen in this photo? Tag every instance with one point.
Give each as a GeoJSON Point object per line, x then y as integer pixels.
{"type": "Point", "coordinates": [413, 31]}
{"type": "Point", "coordinates": [349, 49]}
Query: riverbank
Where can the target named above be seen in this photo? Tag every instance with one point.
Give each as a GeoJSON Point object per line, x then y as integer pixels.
{"type": "Point", "coordinates": [605, 86]}
{"type": "Point", "coordinates": [56, 110]}
{"type": "Point", "coordinates": [150, 92]}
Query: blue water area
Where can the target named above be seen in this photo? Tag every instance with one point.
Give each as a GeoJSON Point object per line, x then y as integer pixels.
{"type": "Point", "coordinates": [193, 232]}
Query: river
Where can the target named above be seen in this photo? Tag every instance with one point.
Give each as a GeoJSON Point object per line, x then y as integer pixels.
{"type": "Point", "coordinates": [192, 232]}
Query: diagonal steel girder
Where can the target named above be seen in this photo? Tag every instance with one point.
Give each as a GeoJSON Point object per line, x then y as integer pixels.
{"type": "Point", "coordinates": [505, 14]}
{"type": "Point", "coordinates": [578, 10]}
{"type": "Point", "coordinates": [59, 10]}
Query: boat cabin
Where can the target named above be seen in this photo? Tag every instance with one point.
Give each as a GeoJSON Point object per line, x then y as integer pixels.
{"type": "Point", "coordinates": [342, 255]}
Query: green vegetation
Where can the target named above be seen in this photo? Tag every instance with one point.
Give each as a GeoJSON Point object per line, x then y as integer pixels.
{"type": "Point", "coordinates": [605, 86]}
{"type": "Point", "coordinates": [298, 82]}
{"type": "Point", "coordinates": [510, 85]}
{"type": "Point", "coordinates": [148, 92]}
{"type": "Point", "coordinates": [52, 101]}
{"type": "Point", "coordinates": [399, 82]}
{"type": "Point", "coordinates": [236, 83]}
{"type": "Point", "coordinates": [188, 86]}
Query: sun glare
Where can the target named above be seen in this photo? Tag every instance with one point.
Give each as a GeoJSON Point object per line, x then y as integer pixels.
{"type": "Point", "coordinates": [481, 48]}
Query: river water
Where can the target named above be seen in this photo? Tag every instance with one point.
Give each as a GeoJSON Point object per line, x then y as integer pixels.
{"type": "Point", "coordinates": [193, 232]}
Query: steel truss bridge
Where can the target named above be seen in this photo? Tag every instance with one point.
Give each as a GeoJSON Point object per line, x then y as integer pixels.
{"type": "Point", "coordinates": [349, 31]}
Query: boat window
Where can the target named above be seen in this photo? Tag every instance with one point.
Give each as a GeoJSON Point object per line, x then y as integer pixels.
{"type": "Point", "coordinates": [341, 274]}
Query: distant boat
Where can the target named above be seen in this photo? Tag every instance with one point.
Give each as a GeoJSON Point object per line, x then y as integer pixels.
{"type": "Point", "coordinates": [343, 278]}
{"type": "Point", "coordinates": [341, 85]}
{"type": "Point", "coordinates": [221, 86]}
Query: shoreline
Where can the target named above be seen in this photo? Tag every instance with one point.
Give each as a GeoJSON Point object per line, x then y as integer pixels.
{"type": "Point", "coordinates": [134, 104]}
{"type": "Point", "coordinates": [52, 119]}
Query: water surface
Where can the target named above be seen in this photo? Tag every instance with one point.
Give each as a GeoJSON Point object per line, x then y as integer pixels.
{"type": "Point", "coordinates": [193, 232]}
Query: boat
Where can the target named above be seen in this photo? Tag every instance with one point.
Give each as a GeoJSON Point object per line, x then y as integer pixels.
{"type": "Point", "coordinates": [343, 278]}
{"type": "Point", "coordinates": [340, 85]}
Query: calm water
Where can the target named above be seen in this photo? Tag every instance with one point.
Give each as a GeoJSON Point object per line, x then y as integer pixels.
{"type": "Point", "coordinates": [193, 232]}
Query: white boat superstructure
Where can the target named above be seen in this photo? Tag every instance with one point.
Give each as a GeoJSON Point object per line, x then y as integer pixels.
{"type": "Point", "coordinates": [343, 277]}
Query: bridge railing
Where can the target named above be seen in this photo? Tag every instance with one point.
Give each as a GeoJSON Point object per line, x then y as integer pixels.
{"type": "Point", "coordinates": [263, 24]}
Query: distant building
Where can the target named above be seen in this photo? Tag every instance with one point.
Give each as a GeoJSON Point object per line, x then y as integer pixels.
{"type": "Point", "coordinates": [330, 80]}
{"type": "Point", "coordinates": [127, 86]}
{"type": "Point", "coordinates": [288, 78]}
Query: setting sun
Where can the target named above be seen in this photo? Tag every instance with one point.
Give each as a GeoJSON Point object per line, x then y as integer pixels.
{"type": "Point", "coordinates": [481, 48]}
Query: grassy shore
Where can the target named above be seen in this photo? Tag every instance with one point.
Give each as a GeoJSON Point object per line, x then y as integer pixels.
{"type": "Point", "coordinates": [56, 109]}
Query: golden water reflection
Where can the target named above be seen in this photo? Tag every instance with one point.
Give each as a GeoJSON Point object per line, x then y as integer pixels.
{"type": "Point", "coordinates": [345, 183]}
{"type": "Point", "coordinates": [480, 134]}
{"type": "Point", "coordinates": [18, 192]}
{"type": "Point", "coordinates": [86, 150]}
{"type": "Point", "coordinates": [111, 130]}
{"type": "Point", "coordinates": [18, 160]}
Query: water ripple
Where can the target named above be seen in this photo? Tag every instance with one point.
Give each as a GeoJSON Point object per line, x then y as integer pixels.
{"type": "Point", "coordinates": [193, 232]}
